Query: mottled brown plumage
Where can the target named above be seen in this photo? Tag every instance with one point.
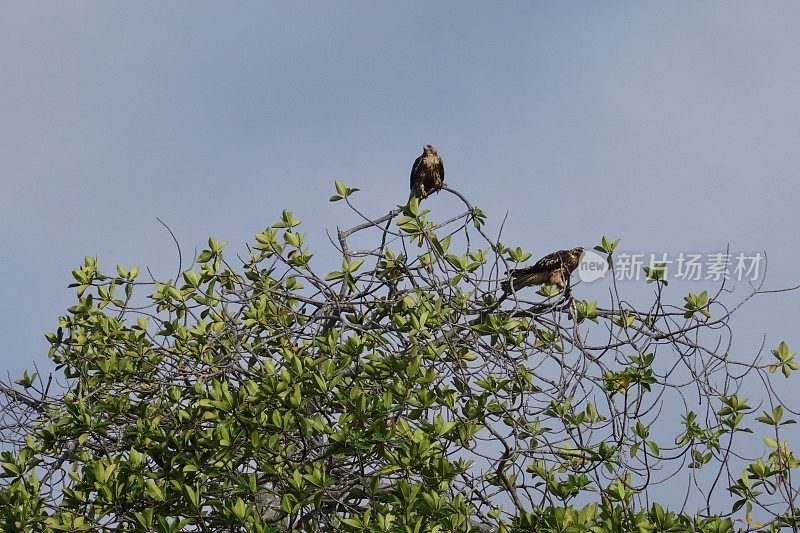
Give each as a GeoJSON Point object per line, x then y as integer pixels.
{"type": "Point", "coordinates": [552, 269]}
{"type": "Point", "coordinates": [427, 174]}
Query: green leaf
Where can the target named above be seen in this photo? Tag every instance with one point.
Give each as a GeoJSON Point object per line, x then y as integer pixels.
{"type": "Point", "coordinates": [343, 191]}
{"type": "Point", "coordinates": [239, 510]}
{"type": "Point", "coordinates": [413, 206]}
{"type": "Point", "coordinates": [154, 491]}
{"type": "Point", "coordinates": [145, 518]}
{"type": "Point", "coordinates": [287, 220]}
{"type": "Point", "coordinates": [607, 246]}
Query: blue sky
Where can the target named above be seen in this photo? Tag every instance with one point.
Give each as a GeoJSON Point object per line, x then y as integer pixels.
{"type": "Point", "coordinates": [674, 125]}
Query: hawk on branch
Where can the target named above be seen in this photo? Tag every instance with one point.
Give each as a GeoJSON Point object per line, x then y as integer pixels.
{"type": "Point", "coordinates": [552, 269]}
{"type": "Point", "coordinates": [427, 174]}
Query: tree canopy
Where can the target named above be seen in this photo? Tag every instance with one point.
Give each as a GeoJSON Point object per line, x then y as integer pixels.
{"type": "Point", "coordinates": [404, 391]}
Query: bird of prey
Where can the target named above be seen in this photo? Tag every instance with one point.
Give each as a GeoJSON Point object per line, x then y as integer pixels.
{"type": "Point", "coordinates": [427, 174]}
{"type": "Point", "coordinates": [552, 269]}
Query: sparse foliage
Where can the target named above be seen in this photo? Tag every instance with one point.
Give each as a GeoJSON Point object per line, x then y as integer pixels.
{"type": "Point", "coordinates": [399, 392]}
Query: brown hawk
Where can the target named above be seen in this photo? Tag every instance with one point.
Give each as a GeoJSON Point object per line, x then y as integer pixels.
{"type": "Point", "coordinates": [552, 269]}
{"type": "Point", "coordinates": [427, 174]}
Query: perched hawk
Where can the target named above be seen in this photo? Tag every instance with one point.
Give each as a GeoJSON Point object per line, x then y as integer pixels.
{"type": "Point", "coordinates": [427, 174]}
{"type": "Point", "coordinates": [552, 269]}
